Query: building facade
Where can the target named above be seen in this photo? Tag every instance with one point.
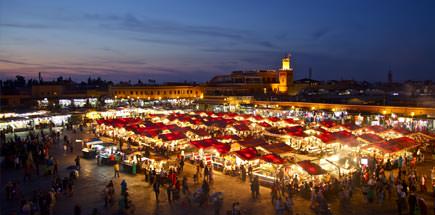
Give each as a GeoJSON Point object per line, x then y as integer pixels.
{"type": "Point", "coordinates": [156, 91]}
{"type": "Point", "coordinates": [243, 83]}
{"type": "Point", "coordinates": [47, 91]}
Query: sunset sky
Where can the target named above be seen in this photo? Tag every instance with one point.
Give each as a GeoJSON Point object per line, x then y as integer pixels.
{"type": "Point", "coordinates": [195, 40]}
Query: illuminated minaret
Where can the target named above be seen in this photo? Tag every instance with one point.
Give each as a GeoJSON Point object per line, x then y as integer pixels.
{"type": "Point", "coordinates": [286, 63]}
{"type": "Point", "coordinates": [285, 75]}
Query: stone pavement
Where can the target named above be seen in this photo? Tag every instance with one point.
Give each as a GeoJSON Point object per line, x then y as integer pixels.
{"type": "Point", "coordinates": [88, 192]}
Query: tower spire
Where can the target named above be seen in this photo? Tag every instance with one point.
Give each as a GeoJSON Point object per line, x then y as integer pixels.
{"type": "Point", "coordinates": [286, 62]}
{"type": "Point", "coordinates": [390, 76]}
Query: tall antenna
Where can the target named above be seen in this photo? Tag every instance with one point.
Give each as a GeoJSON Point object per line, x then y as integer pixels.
{"type": "Point", "coordinates": [310, 73]}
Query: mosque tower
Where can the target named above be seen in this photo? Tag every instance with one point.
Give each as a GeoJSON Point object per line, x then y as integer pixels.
{"type": "Point", "coordinates": [285, 75]}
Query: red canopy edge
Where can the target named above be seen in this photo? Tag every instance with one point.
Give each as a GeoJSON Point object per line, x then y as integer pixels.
{"type": "Point", "coordinates": [273, 158]}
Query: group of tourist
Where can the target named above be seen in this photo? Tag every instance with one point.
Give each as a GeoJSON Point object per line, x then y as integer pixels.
{"type": "Point", "coordinates": [31, 154]}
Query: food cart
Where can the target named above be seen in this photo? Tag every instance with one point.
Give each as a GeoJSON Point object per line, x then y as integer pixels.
{"type": "Point", "coordinates": [132, 162]}
{"type": "Point", "coordinates": [91, 147]}
{"type": "Point", "coordinates": [339, 164]}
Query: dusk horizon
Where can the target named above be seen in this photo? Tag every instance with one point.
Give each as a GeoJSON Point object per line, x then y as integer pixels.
{"type": "Point", "coordinates": [192, 41]}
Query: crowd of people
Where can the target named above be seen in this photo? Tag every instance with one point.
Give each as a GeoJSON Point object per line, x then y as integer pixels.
{"type": "Point", "coordinates": [31, 155]}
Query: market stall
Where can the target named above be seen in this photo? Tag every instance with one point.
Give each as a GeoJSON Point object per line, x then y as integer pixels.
{"type": "Point", "coordinates": [393, 149]}
{"type": "Point", "coordinates": [269, 169]}
{"type": "Point", "coordinates": [91, 147]}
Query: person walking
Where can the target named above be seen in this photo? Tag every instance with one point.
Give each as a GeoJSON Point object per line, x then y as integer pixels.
{"type": "Point", "coordinates": [184, 186]}
{"type": "Point", "coordinates": [169, 193]}
{"type": "Point", "coordinates": [156, 188]}
{"type": "Point", "coordinates": [235, 209]}
{"type": "Point", "coordinates": [401, 202]}
{"type": "Point", "coordinates": [289, 205]}
{"type": "Point", "coordinates": [55, 167]}
{"type": "Point", "coordinates": [423, 184]}
{"type": "Point", "coordinates": [278, 206]}
{"type": "Point", "coordinates": [77, 160]}
{"type": "Point", "coordinates": [250, 172]}
{"type": "Point", "coordinates": [412, 202]}
{"type": "Point", "coordinates": [181, 164]}
{"type": "Point", "coordinates": [256, 187]}
{"type": "Point", "coordinates": [121, 204]}
{"type": "Point", "coordinates": [206, 190]}
{"type": "Point", "coordinates": [206, 173]}
{"type": "Point", "coordinates": [111, 191]}
{"type": "Point", "coordinates": [198, 171]}
{"type": "Point", "coordinates": [273, 193]}
{"type": "Point", "coordinates": [145, 173]}
{"type": "Point", "coordinates": [217, 205]}
{"type": "Point", "coordinates": [253, 190]}
{"type": "Point", "coordinates": [313, 197]}
{"type": "Point", "coordinates": [243, 170]}
{"type": "Point", "coordinates": [116, 169]}
{"type": "Point", "coordinates": [123, 186]}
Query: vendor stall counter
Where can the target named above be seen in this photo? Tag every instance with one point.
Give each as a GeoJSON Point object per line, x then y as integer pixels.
{"type": "Point", "coordinates": [266, 175]}
{"type": "Point", "coordinates": [92, 147]}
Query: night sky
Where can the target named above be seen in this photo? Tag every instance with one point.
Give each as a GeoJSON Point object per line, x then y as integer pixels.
{"type": "Point", "coordinates": [195, 40]}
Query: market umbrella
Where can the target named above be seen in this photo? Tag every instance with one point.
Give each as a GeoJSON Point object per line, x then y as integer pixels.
{"type": "Point", "coordinates": [202, 144]}
{"type": "Point", "coordinates": [201, 132]}
{"type": "Point", "coordinates": [311, 168]}
{"type": "Point", "coordinates": [273, 158]}
{"type": "Point", "coordinates": [372, 138]}
{"type": "Point", "coordinates": [247, 154]}
{"type": "Point", "coordinates": [252, 142]}
{"type": "Point", "coordinates": [222, 148]}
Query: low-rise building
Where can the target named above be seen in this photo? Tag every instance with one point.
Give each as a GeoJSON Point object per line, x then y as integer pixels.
{"type": "Point", "coordinates": [253, 82]}
{"type": "Point", "coordinates": [156, 91]}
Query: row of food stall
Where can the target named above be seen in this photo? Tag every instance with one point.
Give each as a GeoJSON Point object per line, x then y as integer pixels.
{"type": "Point", "coordinates": [14, 122]}
{"type": "Point", "coordinates": [275, 148]}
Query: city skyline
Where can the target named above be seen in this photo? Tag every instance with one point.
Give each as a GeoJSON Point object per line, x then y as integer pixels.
{"type": "Point", "coordinates": [195, 41]}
